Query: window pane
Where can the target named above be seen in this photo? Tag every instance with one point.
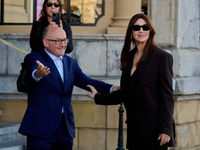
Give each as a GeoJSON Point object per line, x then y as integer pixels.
{"type": "Point", "coordinates": [144, 8]}
{"type": "Point", "coordinates": [18, 11]}
{"type": "Point", "coordinates": [84, 11]}
{"type": "Point", "coordinates": [39, 8]}
{"type": "Point", "coordinates": [0, 11]}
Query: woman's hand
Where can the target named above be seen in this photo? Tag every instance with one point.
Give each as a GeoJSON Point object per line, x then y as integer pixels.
{"type": "Point", "coordinates": [164, 138]}
{"type": "Point", "coordinates": [94, 91]}
{"type": "Point", "coordinates": [61, 25]}
{"type": "Point", "coordinates": [53, 24]}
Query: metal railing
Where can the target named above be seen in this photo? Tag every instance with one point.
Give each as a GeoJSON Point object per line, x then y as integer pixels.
{"type": "Point", "coordinates": [120, 133]}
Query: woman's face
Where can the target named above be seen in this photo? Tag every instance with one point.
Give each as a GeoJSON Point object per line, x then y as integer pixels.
{"type": "Point", "coordinates": [52, 9]}
{"type": "Point", "coordinates": [141, 34]}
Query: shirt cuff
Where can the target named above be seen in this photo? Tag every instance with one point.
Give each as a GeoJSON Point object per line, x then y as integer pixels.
{"type": "Point", "coordinates": [111, 89]}
{"type": "Point", "coordinates": [33, 76]}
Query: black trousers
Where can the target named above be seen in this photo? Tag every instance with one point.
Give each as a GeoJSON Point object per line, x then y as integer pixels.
{"type": "Point", "coordinates": [60, 140]}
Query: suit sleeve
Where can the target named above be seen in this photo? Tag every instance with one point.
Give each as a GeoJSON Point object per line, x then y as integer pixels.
{"type": "Point", "coordinates": [113, 98]}
{"type": "Point", "coordinates": [30, 65]}
{"type": "Point", "coordinates": [166, 101]}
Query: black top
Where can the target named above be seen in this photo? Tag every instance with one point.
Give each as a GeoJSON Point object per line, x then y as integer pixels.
{"type": "Point", "coordinates": [36, 35]}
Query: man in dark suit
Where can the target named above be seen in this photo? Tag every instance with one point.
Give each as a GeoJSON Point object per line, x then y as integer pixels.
{"type": "Point", "coordinates": [49, 121]}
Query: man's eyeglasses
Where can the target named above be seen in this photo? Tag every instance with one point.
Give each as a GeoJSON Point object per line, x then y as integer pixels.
{"type": "Point", "coordinates": [58, 42]}
{"type": "Point", "coordinates": [137, 27]}
{"type": "Point", "coordinates": [49, 4]}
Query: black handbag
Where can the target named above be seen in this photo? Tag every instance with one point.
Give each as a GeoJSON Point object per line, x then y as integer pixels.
{"type": "Point", "coordinates": [21, 84]}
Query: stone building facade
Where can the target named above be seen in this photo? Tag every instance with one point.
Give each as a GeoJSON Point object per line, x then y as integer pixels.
{"type": "Point", "coordinates": [177, 24]}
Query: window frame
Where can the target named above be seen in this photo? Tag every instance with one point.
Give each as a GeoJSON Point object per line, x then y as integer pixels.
{"type": "Point", "coordinates": [86, 24]}
{"type": "Point", "coordinates": [2, 15]}
{"type": "Point", "coordinates": [68, 15]}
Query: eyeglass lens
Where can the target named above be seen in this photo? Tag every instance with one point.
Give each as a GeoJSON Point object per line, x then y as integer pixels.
{"type": "Point", "coordinates": [58, 42]}
{"type": "Point", "coordinates": [49, 4]}
{"type": "Point", "coordinates": [137, 27]}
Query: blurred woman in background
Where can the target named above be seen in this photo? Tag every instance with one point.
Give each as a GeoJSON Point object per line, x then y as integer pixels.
{"type": "Point", "coordinates": [49, 6]}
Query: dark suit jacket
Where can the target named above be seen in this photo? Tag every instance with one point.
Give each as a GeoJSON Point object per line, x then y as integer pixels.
{"type": "Point", "coordinates": [148, 98]}
{"type": "Point", "coordinates": [46, 97]}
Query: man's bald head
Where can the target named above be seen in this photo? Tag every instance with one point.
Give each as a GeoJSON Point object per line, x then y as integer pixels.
{"type": "Point", "coordinates": [51, 29]}
{"type": "Point", "coordinates": [51, 35]}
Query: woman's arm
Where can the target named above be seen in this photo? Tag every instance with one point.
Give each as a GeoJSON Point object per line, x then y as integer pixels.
{"type": "Point", "coordinates": [113, 98]}
{"type": "Point", "coordinates": [36, 37]}
{"type": "Point", "coordinates": [68, 31]}
{"type": "Point", "coordinates": [166, 102]}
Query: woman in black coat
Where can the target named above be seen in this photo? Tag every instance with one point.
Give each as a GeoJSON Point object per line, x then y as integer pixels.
{"type": "Point", "coordinates": [49, 6]}
{"type": "Point", "coordinates": [146, 89]}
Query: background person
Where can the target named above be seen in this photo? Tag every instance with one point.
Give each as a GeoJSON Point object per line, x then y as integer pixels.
{"type": "Point", "coordinates": [50, 76]}
{"type": "Point", "coordinates": [48, 7]}
{"type": "Point", "coordinates": [146, 89]}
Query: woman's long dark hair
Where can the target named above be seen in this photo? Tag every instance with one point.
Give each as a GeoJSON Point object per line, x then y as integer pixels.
{"type": "Point", "coordinates": [43, 12]}
{"type": "Point", "coordinates": [128, 39]}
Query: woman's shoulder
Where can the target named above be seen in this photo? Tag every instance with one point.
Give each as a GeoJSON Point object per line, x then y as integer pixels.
{"type": "Point", "coordinates": [37, 22]}
{"type": "Point", "coordinates": [66, 25]}
{"type": "Point", "coordinates": [41, 21]}
{"type": "Point", "coordinates": [159, 51]}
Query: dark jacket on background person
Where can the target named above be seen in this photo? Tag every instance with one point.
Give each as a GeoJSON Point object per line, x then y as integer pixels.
{"type": "Point", "coordinates": [36, 35]}
{"type": "Point", "coordinates": [148, 98]}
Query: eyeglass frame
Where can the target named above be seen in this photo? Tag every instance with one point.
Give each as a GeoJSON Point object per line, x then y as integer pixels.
{"type": "Point", "coordinates": [67, 40]}
{"type": "Point", "coordinates": [55, 4]}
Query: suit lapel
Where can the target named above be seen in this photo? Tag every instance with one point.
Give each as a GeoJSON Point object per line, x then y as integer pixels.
{"type": "Point", "coordinates": [65, 70]}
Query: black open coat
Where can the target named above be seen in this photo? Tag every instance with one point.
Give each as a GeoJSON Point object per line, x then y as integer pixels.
{"type": "Point", "coordinates": [36, 42]}
{"type": "Point", "coordinates": [148, 98]}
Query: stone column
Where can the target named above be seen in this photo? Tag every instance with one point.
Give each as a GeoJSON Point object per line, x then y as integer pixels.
{"type": "Point", "coordinates": [123, 11]}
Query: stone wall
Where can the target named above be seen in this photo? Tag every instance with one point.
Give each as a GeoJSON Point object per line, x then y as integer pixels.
{"type": "Point", "coordinates": [177, 23]}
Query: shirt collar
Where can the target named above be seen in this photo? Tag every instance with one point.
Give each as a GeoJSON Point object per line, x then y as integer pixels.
{"type": "Point", "coordinates": [52, 56]}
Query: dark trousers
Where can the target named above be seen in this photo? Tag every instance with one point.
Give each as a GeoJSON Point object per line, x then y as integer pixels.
{"type": "Point", "coordinates": [60, 140]}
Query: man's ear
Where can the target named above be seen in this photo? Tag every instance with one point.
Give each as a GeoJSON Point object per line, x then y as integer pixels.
{"type": "Point", "coordinates": [45, 43]}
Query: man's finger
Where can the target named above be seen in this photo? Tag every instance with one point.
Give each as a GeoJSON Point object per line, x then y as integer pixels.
{"type": "Point", "coordinates": [39, 63]}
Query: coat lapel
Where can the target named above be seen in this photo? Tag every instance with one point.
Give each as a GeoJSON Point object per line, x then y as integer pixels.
{"type": "Point", "coordinates": [138, 72]}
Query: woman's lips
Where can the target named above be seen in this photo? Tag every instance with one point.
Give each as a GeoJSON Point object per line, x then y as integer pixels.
{"type": "Point", "coordinates": [141, 36]}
